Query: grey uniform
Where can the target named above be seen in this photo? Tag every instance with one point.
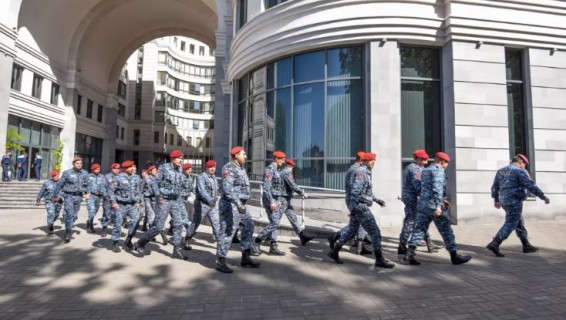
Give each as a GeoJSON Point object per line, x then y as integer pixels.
{"type": "Point", "coordinates": [274, 192]}
{"type": "Point", "coordinates": [205, 204]}
{"type": "Point", "coordinates": [47, 192]}
{"type": "Point", "coordinates": [149, 199]}
{"type": "Point", "coordinates": [187, 187]}
{"type": "Point", "coordinates": [107, 181]}
{"type": "Point", "coordinates": [96, 197]}
{"type": "Point", "coordinates": [71, 188]}
{"type": "Point", "coordinates": [290, 187]}
{"type": "Point", "coordinates": [126, 192]}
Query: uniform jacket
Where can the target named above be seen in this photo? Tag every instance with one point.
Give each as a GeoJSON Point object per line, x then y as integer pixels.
{"type": "Point", "coordinates": [273, 186]}
{"type": "Point", "coordinates": [72, 181]}
{"type": "Point", "coordinates": [207, 189]}
{"type": "Point", "coordinates": [168, 181]}
{"type": "Point", "coordinates": [433, 188]}
{"type": "Point", "coordinates": [511, 184]}
{"type": "Point", "coordinates": [235, 183]}
{"type": "Point", "coordinates": [361, 192]}
{"type": "Point", "coordinates": [95, 184]}
{"type": "Point", "coordinates": [411, 182]}
{"type": "Point", "coordinates": [47, 191]}
{"type": "Point", "coordinates": [127, 188]}
{"type": "Point", "coordinates": [187, 186]}
{"type": "Point", "coordinates": [290, 185]}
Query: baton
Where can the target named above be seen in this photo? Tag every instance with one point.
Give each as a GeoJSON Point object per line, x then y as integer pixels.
{"type": "Point", "coordinates": [260, 201]}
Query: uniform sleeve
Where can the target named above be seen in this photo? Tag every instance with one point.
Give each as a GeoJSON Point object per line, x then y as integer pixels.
{"type": "Point", "coordinates": [438, 179]}
{"type": "Point", "coordinates": [201, 189]}
{"type": "Point", "coordinates": [268, 186]}
{"type": "Point", "coordinates": [495, 187]}
{"type": "Point", "coordinates": [290, 182]}
{"type": "Point", "coordinates": [42, 192]}
{"type": "Point", "coordinates": [416, 180]}
{"type": "Point", "coordinates": [358, 181]}
{"type": "Point", "coordinates": [60, 185]}
{"type": "Point", "coordinates": [228, 187]}
{"type": "Point", "coordinates": [528, 183]}
{"type": "Point", "coordinates": [155, 183]}
{"type": "Point", "coordinates": [90, 184]}
{"type": "Point", "coordinates": [112, 191]}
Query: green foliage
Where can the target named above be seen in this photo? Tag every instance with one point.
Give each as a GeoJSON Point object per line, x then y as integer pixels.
{"type": "Point", "coordinates": [58, 153]}
{"type": "Point", "coordinates": [13, 139]}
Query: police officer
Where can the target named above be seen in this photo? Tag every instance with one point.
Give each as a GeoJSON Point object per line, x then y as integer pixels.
{"type": "Point", "coordinates": [431, 207]}
{"type": "Point", "coordinates": [108, 179]}
{"type": "Point", "coordinates": [6, 162]}
{"type": "Point", "coordinates": [205, 200]}
{"type": "Point", "coordinates": [290, 187]}
{"type": "Point", "coordinates": [149, 196]}
{"type": "Point", "coordinates": [72, 187]}
{"type": "Point", "coordinates": [360, 197]}
{"type": "Point", "coordinates": [126, 197]}
{"type": "Point", "coordinates": [233, 211]}
{"type": "Point", "coordinates": [95, 186]}
{"type": "Point", "coordinates": [275, 202]}
{"type": "Point", "coordinates": [187, 187]}
{"type": "Point", "coordinates": [410, 195]}
{"type": "Point", "coordinates": [167, 188]}
{"type": "Point", "coordinates": [22, 165]}
{"type": "Point", "coordinates": [37, 162]}
{"type": "Point", "coordinates": [47, 193]}
{"type": "Point", "coordinates": [509, 190]}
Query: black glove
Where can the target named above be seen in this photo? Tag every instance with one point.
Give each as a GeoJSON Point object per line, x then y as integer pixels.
{"type": "Point", "coordinates": [381, 203]}
{"type": "Point", "coordinates": [242, 209]}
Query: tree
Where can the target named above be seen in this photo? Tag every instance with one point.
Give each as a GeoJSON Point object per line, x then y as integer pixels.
{"type": "Point", "coordinates": [13, 139]}
{"type": "Point", "coordinates": [58, 153]}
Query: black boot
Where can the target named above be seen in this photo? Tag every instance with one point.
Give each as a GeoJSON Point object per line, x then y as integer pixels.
{"type": "Point", "coordinates": [170, 230]}
{"type": "Point", "coordinates": [235, 239]}
{"type": "Point", "coordinates": [410, 257]}
{"type": "Point", "coordinates": [247, 261]}
{"type": "Point", "coordinates": [332, 239]}
{"type": "Point", "coordinates": [304, 238]}
{"type": "Point", "coordinates": [361, 249]}
{"type": "Point", "coordinates": [402, 249]}
{"type": "Point", "coordinates": [333, 254]}
{"type": "Point", "coordinates": [50, 229]}
{"type": "Point", "coordinates": [178, 253]}
{"type": "Point", "coordinates": [186, 244]}
{"type": "Point", "coordinates": [164, 240]}
{"type": "Point", "coordinates": [381, 262]}
{"type": "Point", "coordinates": [128, 242]}
{"type": "Point", "coordinates": [256, 247]}
{"type": "Point", "coordinates": [493, 246]}
{"type": "Point", "coordinates": [104, 232]}
{"type": "Point", "coordinates": [459, 259]}
{"type": "Point", "coordinates": [221, 265]}
{"type": "Point", "coordinates": [116, 247]}
{"type": "Point", "coordinates": [528, 247]}
{"type": "Point", "coordinates": [144, 225]}
{"type": "Point", "coordinates": [430, 246]}
{"type": "Point", "coordinates": [67, 237]}
{"type": "Point", "coordinates": [274, 250]}
{"type": "Point", "coordinates": [90, 226]}
{"type": "Point", "coordinates": [139, 247]}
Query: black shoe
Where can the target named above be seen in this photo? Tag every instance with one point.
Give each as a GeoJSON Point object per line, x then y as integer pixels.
{"type": "Point", "coordinates": [116, 247]}
{"type": "Point", "coordinates": [409, 257]}
{"type": "Point", "coordinates": [170, 231]}
{"type": "Point", "coordinates": [304, 238]}
{"type": "Point", "coordinates": [431, 247]}
{"type": "Point", "coordinates": [459, 259]}
{"type": "Point", "coordinates": [186, 244]}
{"type": "Point", "coordinates": [381, 262]}
{"type": "Point", "coordinates": [139, 247]}
{"type": "Point", "coordinates": [221, 265]}
{"type": "Point", "coordinates": [493, 246]}
{"type": "Point", "coordinates": [90, 227]}
{"type": "Point", "coordinates": [332, 239]}
{"type": "Point", "coordinates": [528, 247]}
{"type": "Point", "coordinates": [164, 240]}
{"type": "Point", "coordinates": [144, 227]}
{"type": "Point", "coordinates": [104, 232]}
{"type": "Point", "coordinates": [360, 248]}
{"type": "Point", "coordinates": [402, 249]}
{"type": "Point", "coordinates": [178, 253]}
{"type": "Point", "coordinates": [247, 261]}
{"type": "Point", "coordinates": [67, 237]}
{"type": "Point", "coordinates": [50, 230]}
{"type": "Point", "coordinates": [256, 247]}
{"type": "Point", "coordinates": [333, 254]}
{"type": "Point", "coordinates": [128, 243]}
{"type": "Point", "coordinates": [235, 239]}
{"type": "Point", "coordinates": [274, 250]}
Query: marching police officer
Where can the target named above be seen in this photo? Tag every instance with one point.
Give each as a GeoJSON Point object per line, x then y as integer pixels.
{"type": "Point", "coordinates": [37, 162]}
{"type": "Point", "coordinates": [205, 201]}
{"type": "Point", "coordinates": [47, 193]}
{"type": "Point", "coordinates": [233, 211]}
{"type": "Point", "coordinates": [187, 187]}
{"type": "Point", "coordinates": [108, 179]}
{"type": "Point", "coordinates": [274, 201]}
{"type": "Point", "coordinates": [290, 187]}
{"type": "Point", "coordinates": [6, 162]}
{"type": "Point", "coordinates": [149, 196]}
{"type": "Point", "coordinates": [72, 187]}
{"type": "Point", "coordinates": [509, 190]}
{"type": "Point", "coordinates": [126, 197]}
{"type": "Point", "coordinates": [167, 188]}
{"type": "Point", "coordinates": [432, 206]}
{"type": "Point", "coordinates": [360, 197]}
{"type": "Point", "coordinates": [95, 199]}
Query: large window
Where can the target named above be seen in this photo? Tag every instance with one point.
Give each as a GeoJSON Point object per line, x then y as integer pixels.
{"type": "Point", "coordinates": [273, 3]}
{"type": "Point", "coordinates": [17, 72]}
{"type": "Point", "coordinates": [518, 124]}
{"type": "Point", "coordinates": [137, 137]}
{"type": "Point", "coordinates": [421, 122]}
{"type": "Point", "coordinates": [89, 109]}
{"type": "Point", "coordinates": [312, 107]}
{"type": "Point", "coordinates": [100, 113]}
{"type": "Point", "coordinates": [37, 84]}
{"type": "Point", "coordinates": [54, 93]}
{"type": "Point", "coordinates": [79, 104]}
{"type": "Point", "coordinates": [89, 148]}
{"type": "Point", "coordinates": [241, 13]}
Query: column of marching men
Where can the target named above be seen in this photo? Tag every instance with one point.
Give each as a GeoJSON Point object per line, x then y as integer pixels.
{"type": "Point", "coordinates": [163, 192]}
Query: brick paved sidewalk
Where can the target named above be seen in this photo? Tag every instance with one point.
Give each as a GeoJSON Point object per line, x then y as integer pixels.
{"type": "Point", "coordinates": [41, 278]}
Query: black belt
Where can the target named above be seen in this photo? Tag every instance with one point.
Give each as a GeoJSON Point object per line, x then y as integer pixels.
{"type": "Point", "coordinates": [126, 202]}
{"type": "Point", "coordinates": [74, 193]}
{"type": "Point", "coordinates": [170, 197]}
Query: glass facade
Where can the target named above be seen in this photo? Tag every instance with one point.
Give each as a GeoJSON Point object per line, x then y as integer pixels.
{"type": "Point", "coordinates": [89, 148]}
{"type": "Point", "coordinates": [518, 139]}
{"type": "Point", "coordinates": [312, 107]}
{"type": "Point", "coordinates": [421, 122]}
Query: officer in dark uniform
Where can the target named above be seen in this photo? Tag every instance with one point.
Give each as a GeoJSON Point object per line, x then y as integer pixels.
{"type": "Point", "coordinates": [37, 162]}
{"type": "Point", "coordinates": [6, 162]}
{"type": "Point", "coordinates": [205, 200]}
{"type": "Point", "coordinates": [187, 187]}
{"type": "Point", "coordinates": [509, 190]}
{"type": "Point", "coordinates": [108, 179]}
{"type": "Point", "coordinates": [46, 192]}
{"type": "Point", "coordinates": [95, 193]}
{"type": "Point", "coordinates": [149, 197]}
{"type": "Point", "coordinates": [290, 187]}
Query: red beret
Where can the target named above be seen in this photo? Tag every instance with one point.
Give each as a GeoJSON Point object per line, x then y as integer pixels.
{"type": "Point", "coordinates": [77, 159]}
{"type": "Point", "coordinates": [420, 154]}
{"type": "Point", "coordinates": [115, 165]}
{"type": "Point", "coordinates": [53, 173]}
{"type": "Point", "coordinates": [290, 162]}
{"type": "Point", "coordinates": [210, 164]}
{"type": "Point", "coordinates": [95, 166]}
{"type": "Point", "coordinates": [126, 164]}
{"type": "Point", "coordinates": [236, 150]}
{"type": "Point", "coordinates": [176, 154]}
{"type": "Point", "coordinates": [279, 154]}
{"type": "Point", "coordinates": [187, 166]}
{"type": "Point", "coordinates": [150, 168]}
{"type": "Point", "coordinates": [368, 156]}
{"type": "Point", "coordinates": [360, 154]}
{"type": "Point", "coordinates": [523, 157]}
{"type": "Point", "coordinates": [443, 156]}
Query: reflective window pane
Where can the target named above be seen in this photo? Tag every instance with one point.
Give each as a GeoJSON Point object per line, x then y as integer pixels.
{"type": "Point", "coordinates": [309, 173]}
{"type": "Point", "coordinates": [517, 123]}
{"type": "Point", "coordinates": [257, 81]}
{"type": "Point", "coordinates": [345, 120]}
{"type": "Point", "coordinates": [308, 119]}
{"type": "Point", "coordinates": [279, 73]}
{"type": "Point", "coordinates": [417, 62]}
{"type": "Point", "coordinates": [336, 173]}
{"type": "Point", "coordinates": [514, 64]}
{"type": "Point", "coordinates": [283, 119]}
{"type": "Point", "coordinates": [309, 66]}
{"type": "Point", "coordinates": [344, 62]}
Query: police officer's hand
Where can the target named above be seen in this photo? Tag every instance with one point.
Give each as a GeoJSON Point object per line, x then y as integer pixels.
{"type": "Point", "coordinates": [115, 206]}
{"type": "Point", "coordinates": [160, 201]}
{"type": "Point", "coordinates": [54, 200]}
{"type": "Point", "coordinates": [546, 200]}
{"type": "Point", "coordinates": [137, 206]}
{"type": "Point", "coordinates": [274, 206]}
{"type": "Point", "coordinates": [87, 196]}
{"type": "Point", "coordinates": [381, 203]}
{"type": "Point", "coordinates": [446, 203]}
{"type": "Point", "coordinates": [437, 212]}
{"type": "Point", "coordinates": [37, 203]}
{"type": "Point", "coordinates": [497, 205]}
{"type": "Point", "coordinates": [242, 209]}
